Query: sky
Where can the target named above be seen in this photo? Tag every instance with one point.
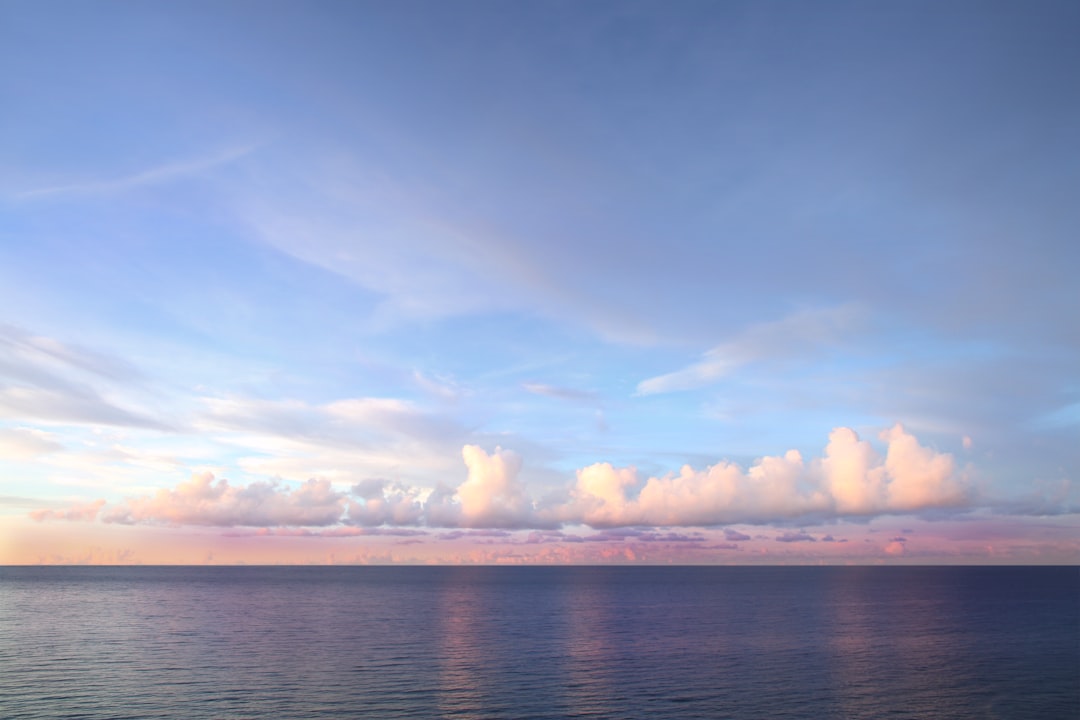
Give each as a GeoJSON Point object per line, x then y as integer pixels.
{"type": "Point", "coordinates": [543, 282]}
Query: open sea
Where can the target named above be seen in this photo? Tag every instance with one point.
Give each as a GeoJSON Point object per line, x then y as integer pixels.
{"type": "Point", "coordinates": [540, 642]}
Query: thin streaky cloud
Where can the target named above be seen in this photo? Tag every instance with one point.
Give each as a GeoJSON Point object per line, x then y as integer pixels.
{"type": "Point", "coordinates": [153, 176]}
{"type": "Point", "coordinates": [561, 393]}
{"type": "Point", "coordinates": [800, 334]}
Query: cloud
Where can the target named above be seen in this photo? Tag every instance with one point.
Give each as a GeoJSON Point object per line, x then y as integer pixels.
{"type": "Point", "coordinates": [78, 513]}
{"type": "Point", "coordinates": [343, 441]}
{"type": "Point", "coordinates": [350, 422]}
{"type": "Point", "coordinates": [386, 503]}
{"type": "Point", "coordinates": [442, 387]}
{"type": "Point", "coordinates": [719, 494]}
{"type": "Point", "coordinates": [791, 537]}
{"type": "Point", "coordinates": [801, 334]}
{"type": "Point", "coordinates": [852, 479]}
{"type": "Point", "coordinates": [26, 443]}
{"type": "Point", "coordinates": [491, 496]}
{"type": "Point", "coordinates": [44, 379]}
{"type": "Point", "coordinates": [81, 406]}
{"type": "Point", "coordinates": [561, 393]}
{"type": "Point", "coordinates": [334, 532]}
{"type": "Point", "coordinates": [458, 534]}
{"type": "Point", "coordinates": [202, 500]}
{"type": "Point", "coordinates": [428, 250]}
{"type": "Point", "coordinates": [153, 176]}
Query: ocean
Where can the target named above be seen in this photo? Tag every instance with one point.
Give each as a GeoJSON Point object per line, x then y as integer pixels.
{"type": "Point", "coordinates": [540, 642]}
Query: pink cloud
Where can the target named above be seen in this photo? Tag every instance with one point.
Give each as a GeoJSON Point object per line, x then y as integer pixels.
{"type": "Point", "coordinates": [78, 513]}
{"type": "Point", "coordinates": [851, 479]}
{"type": "Point", "coordinates": [492, 495]}
{"type": "Point", "coordinates": [204, 501]}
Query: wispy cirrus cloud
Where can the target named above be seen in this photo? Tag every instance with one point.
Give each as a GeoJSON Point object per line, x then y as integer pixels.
{"type": "Point", "coordinates": [156, 175]}
{"type": "Point", "coordinates": [802, 334]}
{"type": "Point", "coordinates": [561, 393]}
{"type": "Point", "coordinates": [27, 443]}
{"type": "Point", "coordinates": [42, 378]}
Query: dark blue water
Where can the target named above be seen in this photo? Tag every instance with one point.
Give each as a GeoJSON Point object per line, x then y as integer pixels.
{"type": "Point", "coordinates": [567, 642]}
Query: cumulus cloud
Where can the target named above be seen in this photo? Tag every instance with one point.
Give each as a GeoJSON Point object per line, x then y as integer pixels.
{"type": "Point", "coordinates": [721, 493]}
{"type": "Point", "coordinates": [78, 513]}
{"type": "Point", "coordinates": [202, 500]}
{"type": "Point", "coordinates": [385, 503]}
{"type": "Point", "coordinates": [851, 479]}
{"type": "Point", "coordinates": [492, 495]}
{"type": "Point", "coordinates": [918, 476]}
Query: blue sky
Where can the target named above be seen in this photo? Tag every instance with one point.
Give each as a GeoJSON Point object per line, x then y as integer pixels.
{"type": "Point", "coordinates": [340, 242]}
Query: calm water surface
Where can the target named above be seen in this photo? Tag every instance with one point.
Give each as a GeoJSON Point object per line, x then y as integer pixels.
{"type": "Point", "coordinates": [567, 642]}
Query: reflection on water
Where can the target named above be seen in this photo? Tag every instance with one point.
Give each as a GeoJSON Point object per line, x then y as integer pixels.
{"type": "Point", "coordinates": [675, 643]}
{"type": "Point", "coordinates": [588, 630]}
{"type": "Point", "coordinates": [463, 667]}
{"type": "Point", "coordinates": [899, 641]}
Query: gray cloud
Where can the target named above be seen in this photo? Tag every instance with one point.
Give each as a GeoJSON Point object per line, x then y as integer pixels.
{"type": "Point", "coordinates": [792, 537]}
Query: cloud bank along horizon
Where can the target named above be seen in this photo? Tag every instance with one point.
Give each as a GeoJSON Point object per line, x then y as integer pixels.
{"type": "Point", "coordinates": [482, 283]}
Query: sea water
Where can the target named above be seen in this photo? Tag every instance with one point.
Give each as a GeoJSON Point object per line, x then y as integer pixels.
{"type": "Point", "coordinates": [540, 642]}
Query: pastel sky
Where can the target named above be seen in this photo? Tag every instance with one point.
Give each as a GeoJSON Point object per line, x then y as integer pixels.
{"type": "Point", "coordinates": [581, 282]}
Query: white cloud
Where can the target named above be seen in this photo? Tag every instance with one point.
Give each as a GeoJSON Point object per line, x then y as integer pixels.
{"type": "Point", "coordinates": [345, 440]}
{"type": "Point", "coordinates": [853, 474]}
{"type": "Point", "coordinates": [852, 479]}
{"type": "Point", "coordinates": [803, 333]}
{"type": "Point", "coordinates": [561, 393]}
{"type": "Point", "coordinates": [44, 379]}
{"type": "Point", "coordinates": [85, 512]}
{"type": "Point", "coordinates": [26, 443]}
{"type": "Point", "coordinates": [492, 496]}
{"type": "Point", "coordinates": [202, 500]}
{"type": "Point", "coordinates": [153, 176]}
{"type": "Point", "coordinates": [427, 250]}
{"type": "Point", "coordinates": [386, 503]}
{"type": "Point", "coordinates": [918, 476]}
{"type": "Point", "coordinates": [719, 494]}
{"type": "Point", "coordinates": [442, 387]}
